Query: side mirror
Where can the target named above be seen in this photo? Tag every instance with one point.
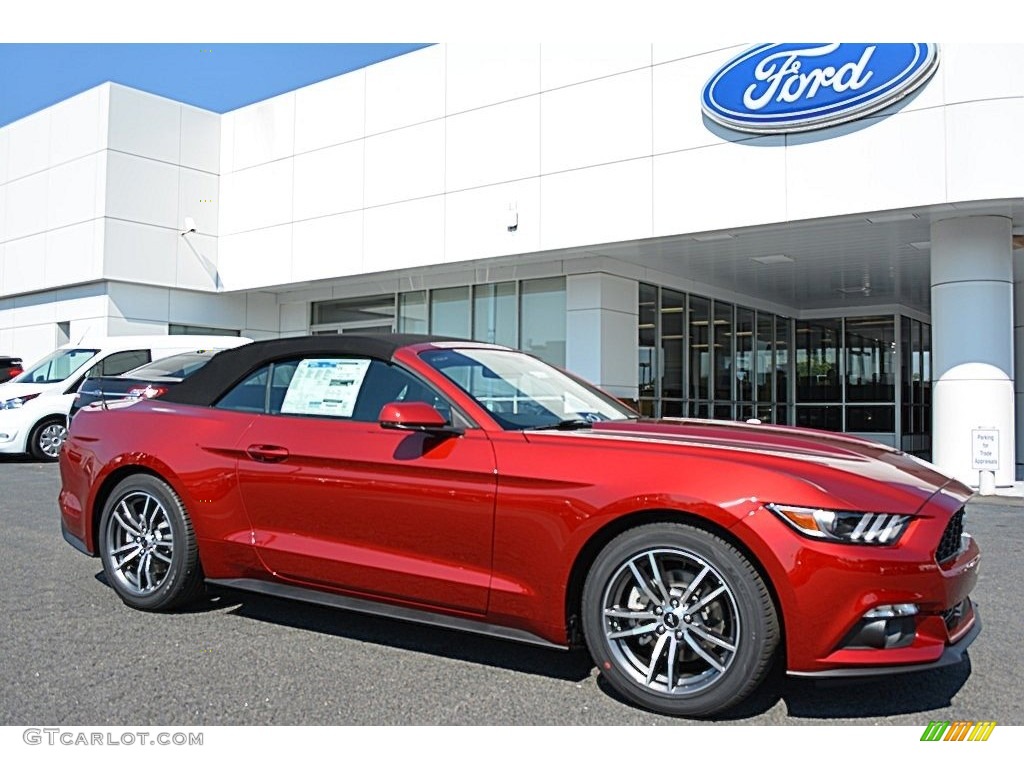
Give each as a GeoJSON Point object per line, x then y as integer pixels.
{"type": "Point", "coordinates": [415, 417]}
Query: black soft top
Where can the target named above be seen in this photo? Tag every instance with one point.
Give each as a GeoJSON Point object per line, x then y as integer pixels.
{"type": "Point", "coordinates": [229, 367]}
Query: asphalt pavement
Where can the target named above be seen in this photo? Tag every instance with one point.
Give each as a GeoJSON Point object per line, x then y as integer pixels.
{"type": "Point", "coordinates": [73, 654]}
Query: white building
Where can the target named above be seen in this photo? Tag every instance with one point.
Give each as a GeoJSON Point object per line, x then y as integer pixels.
{"type": "Point", "coordinates": [572, 201]}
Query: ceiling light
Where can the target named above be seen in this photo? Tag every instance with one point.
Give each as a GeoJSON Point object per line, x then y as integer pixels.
{"type": "Point", "coordinates": [922, 245]}
{"type": "Point", "coordinates": [885, 218]}
{"type": "Point", "coordinates": [713, 236]}
{"type": "Point", "coordinates": [778, 258]}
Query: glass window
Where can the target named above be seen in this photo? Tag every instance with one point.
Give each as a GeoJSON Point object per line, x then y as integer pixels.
{"type": "Point", "coordinates": [906, 366]}
{"type": "Point", "coordinates": [764, 358]}
{"type": "Point", "coordinates": [521, 392]}
{"type": "Point", "coordinates": [542, 319]}
{"type": "Point", "coordinates": [56, 366]}
{"type": "Point", "coordinates": [175, 329]}
{"type": "Point", "coordinates": [175, 366]}
{"type": "Point", "coordinates": [782, 341]}
{"type": "Point", "coordinates": [744, 354]}
{"type": "Point", "coordinates": [449, 312]}
{"type": "Point", "coordinates": [647, 338]}
{"type": "Point", "coordinates": [120, 362]}
{"type": "Point", "coordinates": [870, 359]}
{"type": "Point", "coordinates": [723, 360]}
{"type": "Point", "coordinates": [494, 313]}
{"type": "Point", "coordinates": [412, 312]}
{"type": "Point", "coordinates": [926, 364]}
{"type": "Point", "coordinates": [817, 361]}
{"type": "Point", "coordinates": [700, 350]}
{"type": "Point", "coordinates": [370, 310]}
{"type": "Point", "coordinates": [673, 334]}
{"type": "Point", "coordinates": [870, 418]}
{"type": "Point", "coordinates": [828, 417]}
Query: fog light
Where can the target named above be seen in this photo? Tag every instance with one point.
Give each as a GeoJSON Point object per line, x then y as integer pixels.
{"type": "Point", "coordinates": [885, 626]}
{"type": "Point", "coordinates": [891, 611]}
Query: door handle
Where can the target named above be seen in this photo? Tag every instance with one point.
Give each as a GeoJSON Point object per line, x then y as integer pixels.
{"type": "Point", "coordinates": [267, 453]}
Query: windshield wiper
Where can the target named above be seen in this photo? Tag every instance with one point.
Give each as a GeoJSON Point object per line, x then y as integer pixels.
{"type": "Point", "coordinates": [565, 424]}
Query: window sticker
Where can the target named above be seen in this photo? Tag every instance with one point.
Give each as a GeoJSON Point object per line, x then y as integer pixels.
{"type": "Point", "coordinates": [325, 387]}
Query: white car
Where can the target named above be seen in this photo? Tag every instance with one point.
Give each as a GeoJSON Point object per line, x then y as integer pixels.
{"type": "Point", "coordinates": [34, 406]}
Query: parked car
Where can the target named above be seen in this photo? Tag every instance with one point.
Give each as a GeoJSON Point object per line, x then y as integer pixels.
{"type": "Point", "coordinates": [9, 368]}
{"type": "Point", "coordinates": [149, 380]}
{"type": "Point", "coordinates": [475, 487]}
{"type": "Point", "coordinates": [34, 405]}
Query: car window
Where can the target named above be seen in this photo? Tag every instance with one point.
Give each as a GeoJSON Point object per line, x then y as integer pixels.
{"type": "Point", "coordinates": [330, 387]}
{"type": "Point", "coordinates": [119, 362]}
{"type": "Point", "coordinates": [175, 366]}
{"type": "Point", "coordinates": [57, 366]}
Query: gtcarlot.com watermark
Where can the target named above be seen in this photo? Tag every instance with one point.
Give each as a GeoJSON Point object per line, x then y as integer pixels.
{"type": "Point", "coordinates": [70, 737]}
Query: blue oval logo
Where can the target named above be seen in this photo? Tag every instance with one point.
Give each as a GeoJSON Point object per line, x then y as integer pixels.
{"type": "Point", "coordinates": [787, 87]}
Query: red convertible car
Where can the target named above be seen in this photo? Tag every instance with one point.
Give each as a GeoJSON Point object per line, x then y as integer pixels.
{"type": "Point", "coordinates": [476, 487]}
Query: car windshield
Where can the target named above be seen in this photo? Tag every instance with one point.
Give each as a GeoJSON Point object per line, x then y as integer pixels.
{"type": "Point", "coordinates": [173, 367]}
{"type": "Point", "coordinates": [57, 366]}
{"type": "Point", "coordinates": [522, 392]}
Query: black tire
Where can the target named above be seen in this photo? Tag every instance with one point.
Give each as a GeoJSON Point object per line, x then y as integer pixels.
{"type": "Point", "coordinates": [148, 547]}
{"type": "Point", "coordinates": [47, 438]}
{"type": "Point", "coordinates": [728, 616]}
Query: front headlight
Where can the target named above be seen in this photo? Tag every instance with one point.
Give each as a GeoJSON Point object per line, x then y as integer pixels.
{"type": "Point", "coordinates": [843, 526]}
{"type": "Point", "coordinates": [17, 402]}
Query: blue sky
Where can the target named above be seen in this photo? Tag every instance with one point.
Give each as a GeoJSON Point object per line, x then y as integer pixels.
{"type": "Point", "coordinates": [214, 76]}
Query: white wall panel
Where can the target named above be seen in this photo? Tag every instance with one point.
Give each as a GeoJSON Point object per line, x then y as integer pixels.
{"type": "Point", "coordinates": [198, 198]}
{"type": "Point", "coordinates": [679, 122]}
{"type": "Point", "coordinates": [496, 144]}
{"type": "Point", "coordinates": [4, 143]}
{"type": "Point", "coordinates": [663, 52]}
{"type": "Point", "coordinates": [875, 164]}
{"type": "Point", "coordinates": [256, 259]}
{"type": "Point", "coordinates": [140, 252]}
{"type": "Point", "coordinates": [142, 190]}
{"type": "Point", "coordinates": [330, 112]}
{"type": "Point", "coordinates": [26, 205]}
{"type": "Point", "coordinates": [75, 127]}
{"type": "Point", "coordinates": [200, 139]}
{"type": "Point", "coordinates": [974, 71]}
{"type": "Point", "coordinates": [596, 205]}
{"type": "Point", "coordinates": [121, 326]}
{"type": "Point", "coordinates": [227, 143]}
{"type": "Point", "coordinates": [264, 131]}
{"type": "Point", "coordinates": [256, 197]}
{"type": "Point", "coordinates": [262, 319]}
{"type": "Point", "coordinates": [403, 235]}
{"type": "Point", "coordinates": [984, 161]}
{"type": "Point", "coordinates": [329, 181]}
{"type": "Point", "coordinates": [295, 317]}
{"type": "Point", "coordinates": [569, 63]}
{"type": "Point", "coordinates": [599, 122]}
{"type": "Point", "coordinates": [142, 302]}
{"type": "Point", "coordinates": [34, 342]}
{"type": "Point", "coordinates": [405, 164]}
{"type": "Point", "coordinates": [476, 221]}
{"type": "Point", "coordinates": [144, 124]}
{"type": "Point", "coordinates": [330, 246]}
{"type": "Point", "coordinates": [482, 74]}
{"type": "Point", "coordinates": [24, 267]}
{"type": "Point", "coordinates": [74, 254]}
{"type": "Point", "coordinates": [191, 308]}
{"type": "Point", "coordinates": [405, 90]}
{"type": "Point", "coordinates": [28, 145]}
{"type": "Point", "coordinates": [197, 263]}
{"type": "Point", "coordinates": [726, 185]}
{"type": "Point", "coordinates": [71, 197]}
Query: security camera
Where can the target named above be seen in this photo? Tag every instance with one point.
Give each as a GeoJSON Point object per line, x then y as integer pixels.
{"type": "Point", "coordinates": [190, 226]}
{"type": "Point", "coordinates": [512, 221]}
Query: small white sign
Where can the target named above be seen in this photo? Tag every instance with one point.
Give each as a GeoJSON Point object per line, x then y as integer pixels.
{"type": "Point", "coordinates": [985, 449]}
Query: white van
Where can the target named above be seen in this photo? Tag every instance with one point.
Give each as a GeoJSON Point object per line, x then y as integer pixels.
{"type": "Point", "coordinates": [34, 406]}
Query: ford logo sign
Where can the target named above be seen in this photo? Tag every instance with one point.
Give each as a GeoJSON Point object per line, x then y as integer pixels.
{"type": "Point", "coordinates": [786, 87]}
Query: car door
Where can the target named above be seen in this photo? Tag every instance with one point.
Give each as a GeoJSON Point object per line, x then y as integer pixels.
{"type": "Point", "coordinates": [336, 500]}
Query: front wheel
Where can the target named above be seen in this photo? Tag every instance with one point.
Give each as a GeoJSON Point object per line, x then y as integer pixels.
{"type": "Point", "coordinates": [678, 620]}
{"type": "Point", "coordinates": [148, 546]}
{"type": "Point", "coordinates": [47, 438]}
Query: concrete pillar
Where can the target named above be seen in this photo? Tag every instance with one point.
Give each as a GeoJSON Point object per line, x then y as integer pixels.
{"type": "Point", "coordinates": [1018, 355]}
{"type": "Point", "coordinates": [972, 345]}
{"type": "Point", "coordinates": [601, 331]}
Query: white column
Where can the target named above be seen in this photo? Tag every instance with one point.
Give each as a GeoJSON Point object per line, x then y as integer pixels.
{"type": "Point", "coordinates": [972, 343]}
{"type": "Point", "coordinates": [601, 331]}
{"type": "Point", "coordinates": [1018, 355]}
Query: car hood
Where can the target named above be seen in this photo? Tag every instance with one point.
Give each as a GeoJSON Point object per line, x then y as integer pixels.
{"type": "Point", "coordinates": [12, 389]}
{"type": "Point", "coordinates": [858, 471]}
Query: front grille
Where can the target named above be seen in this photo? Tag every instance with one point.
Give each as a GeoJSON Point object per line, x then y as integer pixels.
{"type": "Point", "coordinates": [950, 543]}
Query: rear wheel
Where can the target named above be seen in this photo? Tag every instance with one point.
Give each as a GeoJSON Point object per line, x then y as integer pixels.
{"type": "Point", "coordinates": [678, 620]}
{"type": "Point", "coordinates": [148, 546]}
{"type": "Point", "coordinates": [47, 438]}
